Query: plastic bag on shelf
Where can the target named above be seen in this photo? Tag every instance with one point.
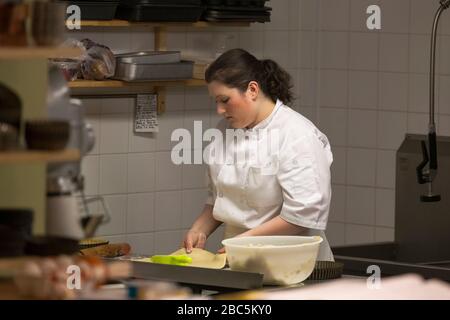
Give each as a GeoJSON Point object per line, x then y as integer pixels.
{"type": "Point", "coordinates": [99, 62]}
{"type": "Point", "coordinates": [71, 68]}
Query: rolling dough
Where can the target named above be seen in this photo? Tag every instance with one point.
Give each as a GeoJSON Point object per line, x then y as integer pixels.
{"type": "Point", "coordinates": [204, 259]}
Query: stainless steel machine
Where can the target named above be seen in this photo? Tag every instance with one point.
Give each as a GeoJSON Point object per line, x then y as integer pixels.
{"type": "Point", "coordinates": [67, 206]}
{"type": "Point", "coordinates": [422, 229]}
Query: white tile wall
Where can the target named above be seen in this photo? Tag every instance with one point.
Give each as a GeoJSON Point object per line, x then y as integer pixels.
{"type": "Point", "coordinates": [363, 51]}
{"type": "Point", "coordinates": [308, 14]}
{"type": "Point", "coordinates": [444, 126]}
{"type": "Point", "coordinates": [333, 122]}
{"type": "Point", "coordinates": [168, 212]}
{"type": "Point", "coordinates": [419, 54]}
{"type": "Point", "coordinates": [276, 47]}
{"type": "Point", "coordinates": [339, 166]}
{"type": "Point", "coordinates": [194, 176]}
{"type": "Point", "coordinates": [337, 206]}
{"type": "Point", "coordinates": [362, 129]}
{"type": "Point", "coordinates": [422, 14]}
{"type": "Point", "coordinates": [308, 49]}
{"type": "Point", "coordinates": [94, 121]}
{"type": "Point", "coordinates": [360, 205]}
{"type": "Point", "coordinates": [168, 174]}
{"type": "Point", "coordinates": [419, 92]}
{"type": "Point", "coordinates": [307, 87]}
{"type": "Point", "coordinates": [333, 88]}
{"type": "Point", "coordinates": [443, 50]}
{"type": "Point", "coordinates": [142, 243]}
{"type": "Point", "coordinates": [386, 169]}
{"type": "Point", "coordinates": [418, 123]}
{"type": "Point", "coordinates": [141, 172]}
{"type": "Point", "coordinates": [393, 91]}
{"type": "Point", "coordinates": [443, 97]}
{"type": "Point", "coordinates": [385, 207]}
{"type": "Point", "coordinates": [280, 14]}
{"type": "Point", "coordinates": [89, 167]}
{"type": "Point", "coordinates": [167, 124]}
{"type": "Point", "coordinates": [167, 242]}
{"type": "Point", "coordinates": [359, 234]}
{"type": "Point", "coordinates": [114, 133]}
{"type": "Point", "coordinates": [252, 41]}
{"type": "Point", "coordinates": [335, 15]}
{"type": "Point", "coordinates": [391, 129]}
{"type": "Point", "coordinates": [335, 234]}
{"type": "Point", "coordinates": [361, 165]}
{"type": "Point", "coordinates": [334, 50]}
{"type": "Point", "coordinates": [193, 202]}
{"type": "Point", "coordinates": [141, 213]}
{"type": "Point", "coordinates": [363, 89]}
{"type": "Point", "coordinates": [113, 174]}
{"type": "Point", "coordinates": [394, 52]}
{"type": "Point", "coordinates": [118, 210]}
{"type": "Point", "coordinates": [395, 17]}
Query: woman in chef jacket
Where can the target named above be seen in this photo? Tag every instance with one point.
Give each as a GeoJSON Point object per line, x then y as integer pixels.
{"type": "Point", "coordinates": [287, 190]}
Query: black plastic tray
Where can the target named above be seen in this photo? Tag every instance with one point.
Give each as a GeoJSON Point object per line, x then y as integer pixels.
{"type": "Point", "coordinates": [246, 16]}
{"type": "Point", "coordinates": [241, 9]}
{"type": "Point", "coordinates": [162, 2]}
{"type": "Point", "coordinates": [159, 13]}
{"type": "Point", "coordinates": [236, 3]}
{"type": "Point", "coordinates": [96, 10]}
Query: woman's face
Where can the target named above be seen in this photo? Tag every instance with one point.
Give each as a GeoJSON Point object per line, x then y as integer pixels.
{"type": "Point", "coordinates": [239, 108]}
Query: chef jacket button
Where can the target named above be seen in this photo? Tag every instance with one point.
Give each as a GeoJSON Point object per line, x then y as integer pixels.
{"type": "Point", "coordinates": [295, 162]}
{"type": "Point", "coordinates": [220, 194]}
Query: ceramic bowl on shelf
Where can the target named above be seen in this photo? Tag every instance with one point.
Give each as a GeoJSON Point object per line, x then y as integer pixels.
{"type": "Point", "coordinates": [47, 134]}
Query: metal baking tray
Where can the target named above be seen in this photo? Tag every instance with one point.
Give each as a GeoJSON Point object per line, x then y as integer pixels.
{"type": "Point", "coordinates": [151, 57]}
{"type": "Point", "coordinates": [221, 280]}
{"type": "Point", "coordinates": [146, 71]}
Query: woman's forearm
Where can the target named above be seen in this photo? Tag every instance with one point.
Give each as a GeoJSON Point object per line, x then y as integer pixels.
{"type": "Point", "coordinates": [275, 226]}
{"type": "Point", "coordinates": [206, 223]}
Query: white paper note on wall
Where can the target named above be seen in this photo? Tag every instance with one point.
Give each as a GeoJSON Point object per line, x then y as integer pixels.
{"type": "Point", "coordinates": [145, 117]}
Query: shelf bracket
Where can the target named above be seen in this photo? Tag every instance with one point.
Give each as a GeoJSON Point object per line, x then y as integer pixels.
{"type": "Point", "coordinates": [160, 44]}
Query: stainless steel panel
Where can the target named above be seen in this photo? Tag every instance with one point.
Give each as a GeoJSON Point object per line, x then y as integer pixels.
{"type": "Point", "coordinates": [145, 72]}
{"type": "Point", "coordinates": [422, 229]}
{"type": "Point", "coordinates": [152, 57]}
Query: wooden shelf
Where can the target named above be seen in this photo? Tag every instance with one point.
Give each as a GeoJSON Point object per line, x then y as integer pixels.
{"type": "Point", "coordinates": [38, 52]}
{"type": "Point", "coordinates": [126, 24]}
{"type": "Point", "coordinates": [28, 156]}
{"type": "Point", "coordinates": [87, 84]}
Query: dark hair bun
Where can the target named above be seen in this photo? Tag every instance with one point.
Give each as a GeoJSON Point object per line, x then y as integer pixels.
{"type": "Point", "coordinates": [278, 81]}
{"type": "Point", "coordinates": [237, 67]}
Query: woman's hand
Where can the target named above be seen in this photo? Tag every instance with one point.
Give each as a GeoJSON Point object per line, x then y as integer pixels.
{"type": "Point", "coordinates": [194, 239]}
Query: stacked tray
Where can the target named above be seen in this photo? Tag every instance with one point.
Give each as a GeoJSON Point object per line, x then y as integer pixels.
{"type": "Point", "coordinates": [96, 10]}
{"type": "Point", "coordinates": [152, 65]}
{"type": "Point", "coordinates": [160, 10]}
{"type": "Point", "coordinates": [236, 10]}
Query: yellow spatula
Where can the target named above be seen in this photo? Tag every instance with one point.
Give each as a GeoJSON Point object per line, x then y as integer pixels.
{"type": "Point", "coordinates": [177, 260]}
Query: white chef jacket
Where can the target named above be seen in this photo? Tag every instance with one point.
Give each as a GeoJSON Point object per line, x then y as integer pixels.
{"type": "Point", "coordinates": [291, 180]}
